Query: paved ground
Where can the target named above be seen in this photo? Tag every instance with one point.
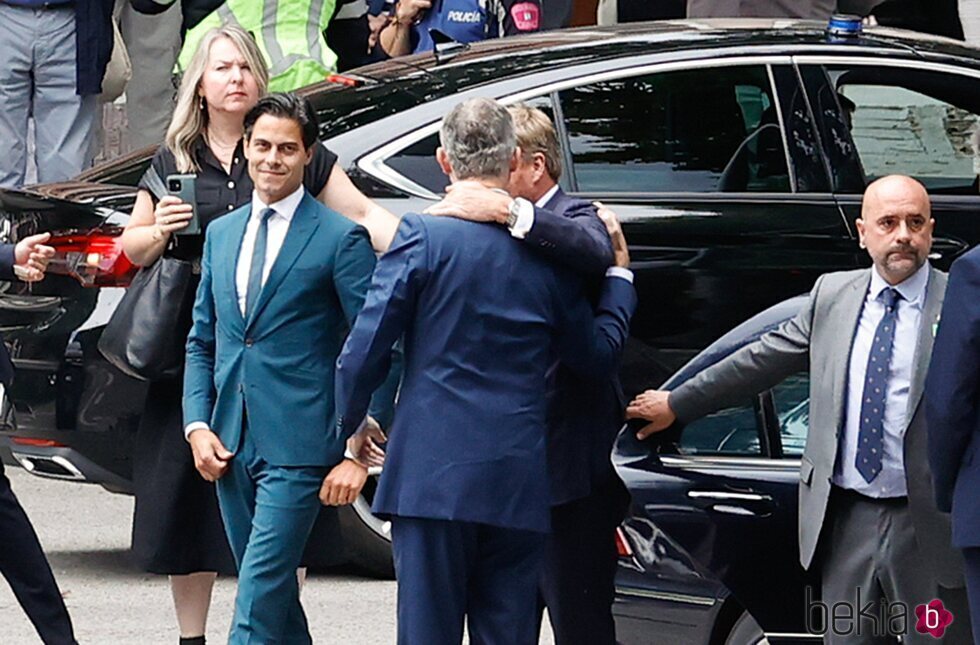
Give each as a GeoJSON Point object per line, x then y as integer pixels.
{"type": "Point", "coordinates": [85, 532]}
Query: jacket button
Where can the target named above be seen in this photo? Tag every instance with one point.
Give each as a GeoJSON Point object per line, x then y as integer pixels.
{"type": "Point", "coordinates": [249, 342]}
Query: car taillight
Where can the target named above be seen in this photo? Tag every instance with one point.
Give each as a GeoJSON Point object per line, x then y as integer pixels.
{"type": "Point", "coordinates": [36, 443]}
{"type": "Point", "coordinates": [94, 258]}
{"type": "Point", "coordinates": [346, 81]}
{"type": "Point", "coordinates": [622, 546]}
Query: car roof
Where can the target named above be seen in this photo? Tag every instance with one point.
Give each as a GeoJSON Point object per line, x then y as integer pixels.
{"type": "Point", "coordinates": [747, 332]}
{"type": "Point", "coordinates": [371, 93]}
{"type": "Point", "coordinates": [389, 87]}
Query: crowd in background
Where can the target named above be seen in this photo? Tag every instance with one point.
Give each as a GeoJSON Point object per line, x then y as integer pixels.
{"type": "Point", "coordinates": [119, 60]}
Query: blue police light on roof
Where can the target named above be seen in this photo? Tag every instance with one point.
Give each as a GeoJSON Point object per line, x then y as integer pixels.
{"type": "Point", "coordinates": [844, 26]}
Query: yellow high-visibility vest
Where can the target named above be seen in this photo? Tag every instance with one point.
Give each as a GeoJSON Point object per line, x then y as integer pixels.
{"type": "Point", "coordinates": [289, 34]}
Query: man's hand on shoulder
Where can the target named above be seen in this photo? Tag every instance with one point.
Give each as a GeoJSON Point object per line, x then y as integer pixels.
{"type": "Point", "coordinates": [210, 455]}
{"type": "Point", "coordinates": [471, 200]}
{"type": "Point", "coordinates": [621, 253]}
{"type": "Point", "coordinates": [654, 406]}
{"type": "Point", "coordinates": [31, 257]}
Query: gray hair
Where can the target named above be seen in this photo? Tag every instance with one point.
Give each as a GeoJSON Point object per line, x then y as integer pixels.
{"type": "Point", "coordinates": [478, 137]}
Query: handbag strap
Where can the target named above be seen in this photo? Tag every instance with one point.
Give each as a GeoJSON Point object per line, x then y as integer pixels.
{"type": "Point", "coordinates": [154, 183]}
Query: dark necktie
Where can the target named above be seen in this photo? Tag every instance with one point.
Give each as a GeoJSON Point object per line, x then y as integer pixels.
{"type": "Point", "coordinates": [871, 442]}
{"type": "Point", "coordinates": [258, 262]}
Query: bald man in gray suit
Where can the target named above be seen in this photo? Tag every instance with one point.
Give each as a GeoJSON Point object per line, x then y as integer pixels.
{"type": "Point", "coordinates": [867, 516]}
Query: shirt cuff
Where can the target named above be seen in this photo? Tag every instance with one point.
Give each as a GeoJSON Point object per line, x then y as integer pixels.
{"type": "Point", "coordinates": [525, 219]}
{"type": "Point", "coordinates": [197, 425]}
{"type": "Point", "coordinates": [620, 272]}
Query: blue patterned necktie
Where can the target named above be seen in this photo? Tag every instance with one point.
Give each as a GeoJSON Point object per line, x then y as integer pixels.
{"type": "Point", "coordinates": [258, 263]}
{"type": "Point", "coordinates": [871, 442]}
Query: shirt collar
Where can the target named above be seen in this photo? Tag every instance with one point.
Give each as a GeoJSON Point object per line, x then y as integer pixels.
{"type": "Point", "coordinates": [913, 288]}
{"type": "Point", "coordinates": [285, 207]}
{"type": "Point", "coordinates": [547, 196]}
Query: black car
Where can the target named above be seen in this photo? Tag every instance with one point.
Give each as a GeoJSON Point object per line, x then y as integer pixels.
{"type": "Point", "coordinates": [735, 153]}
{"type": "Point", "coordinates": [709, 551]}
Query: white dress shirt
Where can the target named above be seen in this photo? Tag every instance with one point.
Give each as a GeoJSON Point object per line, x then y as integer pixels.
{"type": "Point", "coordinates": [890, 482]}
{"type": "Point", "coordinates": [278, 227]}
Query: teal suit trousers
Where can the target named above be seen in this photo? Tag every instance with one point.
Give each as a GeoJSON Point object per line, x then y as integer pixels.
{"type": "Point", "coordinates": [268, 512]}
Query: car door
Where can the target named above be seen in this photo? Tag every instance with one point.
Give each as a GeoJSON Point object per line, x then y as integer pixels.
{"type": "Point", "coordinates": [714, 506]}
{"type": "Point", "coordinates": [714, 171]}
{"type": "Point", "coordinates": [892, 116]}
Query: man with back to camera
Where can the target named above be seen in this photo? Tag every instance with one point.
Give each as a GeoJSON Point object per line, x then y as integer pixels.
{"type": "Point", "coordinates": [281, 279]}
{"type": "Point", "coordinates": [465, 481]}
{"type": "Point", "coordinates": [584, 414]}
{"type": "Point", "coordinates": [953, 411]}
{"type": "Point", "coordinates": [867, 516]}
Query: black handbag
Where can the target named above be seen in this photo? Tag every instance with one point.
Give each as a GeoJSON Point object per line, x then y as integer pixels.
{"type": "Point", "coordinates": [146, 334]}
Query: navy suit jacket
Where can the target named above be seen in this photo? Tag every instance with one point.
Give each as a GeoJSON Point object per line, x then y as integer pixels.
{"type": "Point", "coordinates": [584, 413]}
{"type": "Point", "coordinates": [278, 365]}
{"type": "Point", "coordinates": [953, 402]}
{"type": "Point", "coordinates": [483, 318]}
{"type": "Point", "coordinates": [568, 231]}
{"type": "Point", "coordinates": [7, 262]}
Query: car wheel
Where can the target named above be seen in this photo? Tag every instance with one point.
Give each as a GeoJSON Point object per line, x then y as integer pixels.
{"type": "Point", "coordinates": [746, 631]}
{"type": "Point", "coordinates": [367, 538]}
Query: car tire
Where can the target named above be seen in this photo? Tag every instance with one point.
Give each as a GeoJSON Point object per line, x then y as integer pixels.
{"type": "Point", "coordinates": [366, 537]}
{"type": "Point", "coordinates": [746, 631]}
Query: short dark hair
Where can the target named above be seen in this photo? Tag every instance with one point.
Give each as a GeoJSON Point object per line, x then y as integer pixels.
{"type": "Point", "coordinates": [286, 105]}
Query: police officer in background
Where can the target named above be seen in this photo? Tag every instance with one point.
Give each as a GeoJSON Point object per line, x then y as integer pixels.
{"type": "Point", "coordinates": [464, 21]}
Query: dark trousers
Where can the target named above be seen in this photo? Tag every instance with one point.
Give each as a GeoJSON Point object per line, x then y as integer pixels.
{"type": "Point", "coordinates": [448, 571]}
{"type": "Point", "coordinates": [578, 580]}
{"type": "Point", "coordinates": [23, 564]}
{"type": "Point", "coordinates": [871, 549]}
{"type": "Point", "coordinates": [972, 558]}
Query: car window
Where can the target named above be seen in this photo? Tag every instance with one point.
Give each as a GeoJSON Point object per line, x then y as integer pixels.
{"type": "Point", "coordinates": [913, 122]}
{"type": "Point", "coordinates": [791, 399]}
{"type": "Point", "coordinates": [733, 431]}
{"type": "Point", "coordinates": [417, 161]}
{"type": "Point", "coordinates": [701, 130]}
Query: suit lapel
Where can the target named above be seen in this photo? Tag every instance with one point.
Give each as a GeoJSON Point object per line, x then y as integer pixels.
{"type": "Point", "coordinates": [931, 308]}
{"type": "Point", "coordinates": [848, 311]}
{"type": "Point", "coordinates": [301, 229]}
{"type": "Point", "coordinates": [227, 261]}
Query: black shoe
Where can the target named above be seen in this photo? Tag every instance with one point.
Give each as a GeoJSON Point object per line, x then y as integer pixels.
{"type": "Point", "coordinates": [197, 640]}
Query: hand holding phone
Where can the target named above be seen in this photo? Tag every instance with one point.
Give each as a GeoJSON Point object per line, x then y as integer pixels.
{"type": "Point", "coordinates": [184, 187]}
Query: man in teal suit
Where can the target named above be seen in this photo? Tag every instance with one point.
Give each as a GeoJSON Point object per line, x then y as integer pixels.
{"type": "Point", "coordinates": [281, 280]}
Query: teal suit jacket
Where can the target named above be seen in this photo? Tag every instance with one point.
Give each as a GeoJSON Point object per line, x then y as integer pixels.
{"type": "Point", "coordinates": [279, 364]}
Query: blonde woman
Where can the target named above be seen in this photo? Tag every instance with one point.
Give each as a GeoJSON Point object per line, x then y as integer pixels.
{"type": "Point", "coordinates": [177, 527]}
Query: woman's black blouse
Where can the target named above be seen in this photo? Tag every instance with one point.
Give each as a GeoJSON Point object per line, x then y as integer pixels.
{"type": "Point", "coordinates": [220, 192]}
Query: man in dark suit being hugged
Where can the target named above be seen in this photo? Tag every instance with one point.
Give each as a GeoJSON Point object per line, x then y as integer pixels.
{"type": "Point", "coordinates": [584, 413]}
{"type": "Point", "coordinates": [22, 561]}
{"type": "Point", "coordinates": [484, 320]}
{"type": "Point", "coordinates": [953, 410]}
{"type": "Point", "coordinates": [281, 279]}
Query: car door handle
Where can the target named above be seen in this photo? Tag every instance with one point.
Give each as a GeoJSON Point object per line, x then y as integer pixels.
{"type": "Point", "coordinates": [728, 496]}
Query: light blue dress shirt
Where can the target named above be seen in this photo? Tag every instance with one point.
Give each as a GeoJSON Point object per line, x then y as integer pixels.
{"type": "Point", "coordinates": [890, 482]}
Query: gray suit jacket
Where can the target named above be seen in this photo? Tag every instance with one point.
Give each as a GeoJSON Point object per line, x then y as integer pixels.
{"type": "Point", "coordinates": [821, 336]}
